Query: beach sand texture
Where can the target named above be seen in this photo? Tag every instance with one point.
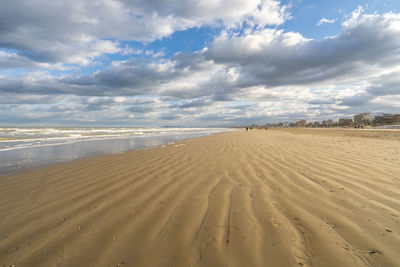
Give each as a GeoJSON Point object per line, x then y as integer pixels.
{"type": "Point", "coordinates": [260, 198]}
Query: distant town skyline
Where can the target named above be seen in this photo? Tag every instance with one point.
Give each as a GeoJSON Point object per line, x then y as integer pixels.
{"type": "Point", "coordinates": [357, 121]}
{"type": "Point", "coordinates": [196, 63]}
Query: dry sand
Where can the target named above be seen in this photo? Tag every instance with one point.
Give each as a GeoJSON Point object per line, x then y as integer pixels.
{"type": "Point", "coordinates": [262, 198]}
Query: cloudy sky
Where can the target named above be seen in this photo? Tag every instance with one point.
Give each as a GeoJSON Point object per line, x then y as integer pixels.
{"type": "Point", "coordinates": [196, 62]}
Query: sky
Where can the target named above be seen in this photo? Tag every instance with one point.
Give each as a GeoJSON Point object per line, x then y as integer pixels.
{"type": "Point", "coordinates": [149, 63]}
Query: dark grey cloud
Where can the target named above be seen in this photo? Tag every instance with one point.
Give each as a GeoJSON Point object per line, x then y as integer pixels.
{"type": "Point", "coordinates": [360, 100]}
{"type": "Point", "coordinates": [11, 98]}
{"type": "Point", "coordinates": [381, 86]}
{"type": "Point", "coordinates": [320, 101]}
{"type": "Point", "coordinates": [141, 108]}
{"type": "Point", "coordinates": [388, 84]}
{"type": "Point", "coordinates": [169, 116]}
{"type": "Point", "coordinates": [192, 103]}
{"type": "Point", "coordinates": [141, 77]}
{"type": "Point", "coordinates": [14, 61]}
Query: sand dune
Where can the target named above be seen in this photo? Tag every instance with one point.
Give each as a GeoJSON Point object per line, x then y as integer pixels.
{"type": "Point", "coordinates": [262, 198]}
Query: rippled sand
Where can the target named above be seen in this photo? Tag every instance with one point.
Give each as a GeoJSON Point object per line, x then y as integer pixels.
{"type": "Point", "coordinates": [262, 198]}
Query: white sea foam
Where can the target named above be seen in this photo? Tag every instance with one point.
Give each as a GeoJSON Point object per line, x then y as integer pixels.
{"type": "Point", "coordinates": [29, 147]}
{"type": "Point", "coordinates": [19, 138]}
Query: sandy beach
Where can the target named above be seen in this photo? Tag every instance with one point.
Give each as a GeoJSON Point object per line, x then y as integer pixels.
{"type": "Point", "coordinates": [290, 197]}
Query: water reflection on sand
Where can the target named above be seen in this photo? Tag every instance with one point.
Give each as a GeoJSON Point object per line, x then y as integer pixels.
{"type": "Point", "coordinates": [27, 157]}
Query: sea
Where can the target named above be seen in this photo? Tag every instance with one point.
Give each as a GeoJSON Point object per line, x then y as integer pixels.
{"type": "Point", "coordinates": [23, 147]}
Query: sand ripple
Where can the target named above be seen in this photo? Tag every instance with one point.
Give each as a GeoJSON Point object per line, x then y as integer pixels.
{"type": "Point", "coordinates": [262, 198]}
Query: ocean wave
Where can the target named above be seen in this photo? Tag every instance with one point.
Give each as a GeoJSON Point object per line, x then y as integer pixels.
{"type": "Point", "coordinates": [19, 138]}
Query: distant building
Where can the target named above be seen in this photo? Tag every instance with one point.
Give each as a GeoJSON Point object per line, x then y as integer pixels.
{"type": "Point", "coordinates": [346, 121]}
{"type": "Point", "coordinates": [396, 118]}
{"type": "Point", "coordinates": [301, 123]}
{"type": "Point", "coordinates": [317, 124]}
{"type": "Point", "coordinates": [286, 124]}
{"type": "Point", "coordinates": [385, 119]}
{"type": "Point", "coordinates": [362, 118]}
{"type": "Point", "coordinates": [310, 125]}
{"type": "Point", "coordinates": [328, 123]}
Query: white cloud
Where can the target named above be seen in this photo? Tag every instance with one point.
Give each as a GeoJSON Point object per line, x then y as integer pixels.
{"type": "Point", "coordinates": [130, 51]}
{"type": "Point", "coordinates": [368, 45]}
{"type": "Point", "coordinates": [325, 20]}
{"type": "Point", "coordinates": [155, 54]}
{"type": "Point", "coordinates": [277, 74]}
{"type": "Point", "coordinates": [76, 31]}
{"type": "Point", "coordinates": [90, 50]}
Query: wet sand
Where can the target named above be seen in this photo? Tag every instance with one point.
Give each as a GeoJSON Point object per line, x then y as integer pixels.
{"type": "Point", "coordinates": [294, 197]}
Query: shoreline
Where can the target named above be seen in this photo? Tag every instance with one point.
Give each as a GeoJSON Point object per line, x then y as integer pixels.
{"type": "Point", "coordinates": [235, 198]}
{"type": "Point", "coordinates": [26, 158]}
